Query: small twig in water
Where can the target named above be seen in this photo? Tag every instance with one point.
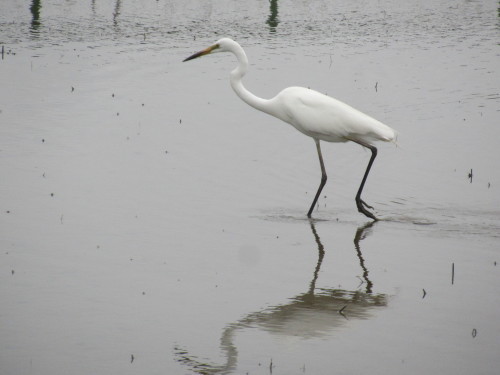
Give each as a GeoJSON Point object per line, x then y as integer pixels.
{"type": "Point", "coordinates": [341, 311]}
{"type": "Point", "coordinates": [452, 273]}
{"type": "Point", "coordinates": [361, 281]}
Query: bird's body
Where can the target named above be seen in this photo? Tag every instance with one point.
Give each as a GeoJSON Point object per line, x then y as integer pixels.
{"type": "Point", "coordinates": [327, 119]}
{"type": "Point", "coordinates": [316, 115]}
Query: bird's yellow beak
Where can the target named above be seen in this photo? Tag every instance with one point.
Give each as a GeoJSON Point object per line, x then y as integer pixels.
{"type": "Point", "coordinates": [206, 51]}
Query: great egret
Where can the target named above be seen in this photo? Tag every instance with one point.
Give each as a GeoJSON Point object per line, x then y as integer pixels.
{"type": "Point", "coordinates": [316, 115]}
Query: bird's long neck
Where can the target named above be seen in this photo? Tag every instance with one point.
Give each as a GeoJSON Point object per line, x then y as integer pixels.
{"type": "Point", "coordinates": [237, 84]}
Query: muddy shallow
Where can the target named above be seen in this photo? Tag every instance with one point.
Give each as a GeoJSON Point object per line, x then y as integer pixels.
{"type": "Point", "coordinates": [152, 222]}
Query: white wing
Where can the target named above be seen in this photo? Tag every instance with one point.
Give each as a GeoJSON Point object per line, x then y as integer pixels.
{"type": "Point", "coordinates": [325, 118]}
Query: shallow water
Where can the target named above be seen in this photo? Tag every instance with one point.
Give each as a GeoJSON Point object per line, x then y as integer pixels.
{"type": "Point", "coordinates": [151, 222]}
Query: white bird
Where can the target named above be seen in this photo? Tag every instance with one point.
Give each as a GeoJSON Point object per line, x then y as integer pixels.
{"type": "Point", "coordinates": [316, 115]}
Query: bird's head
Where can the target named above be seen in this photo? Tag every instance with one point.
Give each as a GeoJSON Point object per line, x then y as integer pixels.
{"type": "Point", "coordinates": [222, 45]}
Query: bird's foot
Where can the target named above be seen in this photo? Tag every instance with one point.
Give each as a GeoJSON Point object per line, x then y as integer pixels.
{"type": "Point", "coordinates": [366, 204]}
{"type": "Point", "coordinates": [362, 208]}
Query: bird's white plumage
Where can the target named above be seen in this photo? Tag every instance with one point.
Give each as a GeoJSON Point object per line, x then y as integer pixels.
{"type": "Point", "coordinates": [314, 114]}
{"type": "Point", "coordinates": [325, 118]}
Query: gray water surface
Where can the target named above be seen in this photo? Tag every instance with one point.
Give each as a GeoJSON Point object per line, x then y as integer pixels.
{"type": "Point", "coordinates": [152, 222]}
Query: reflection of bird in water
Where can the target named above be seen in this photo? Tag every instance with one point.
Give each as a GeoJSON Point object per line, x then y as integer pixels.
{"type": "Point", "coordinates": [363, 232]}
{"type": "Point", "coordinates": [312, 314]}
{"type": "Point", "coordinates": [316, 115]}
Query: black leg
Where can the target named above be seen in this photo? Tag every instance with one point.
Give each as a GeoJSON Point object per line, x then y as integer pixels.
{"type": "Point", "coordinates": [362, 206]}
{"type": "Point", "coordinates": [323, 178]}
